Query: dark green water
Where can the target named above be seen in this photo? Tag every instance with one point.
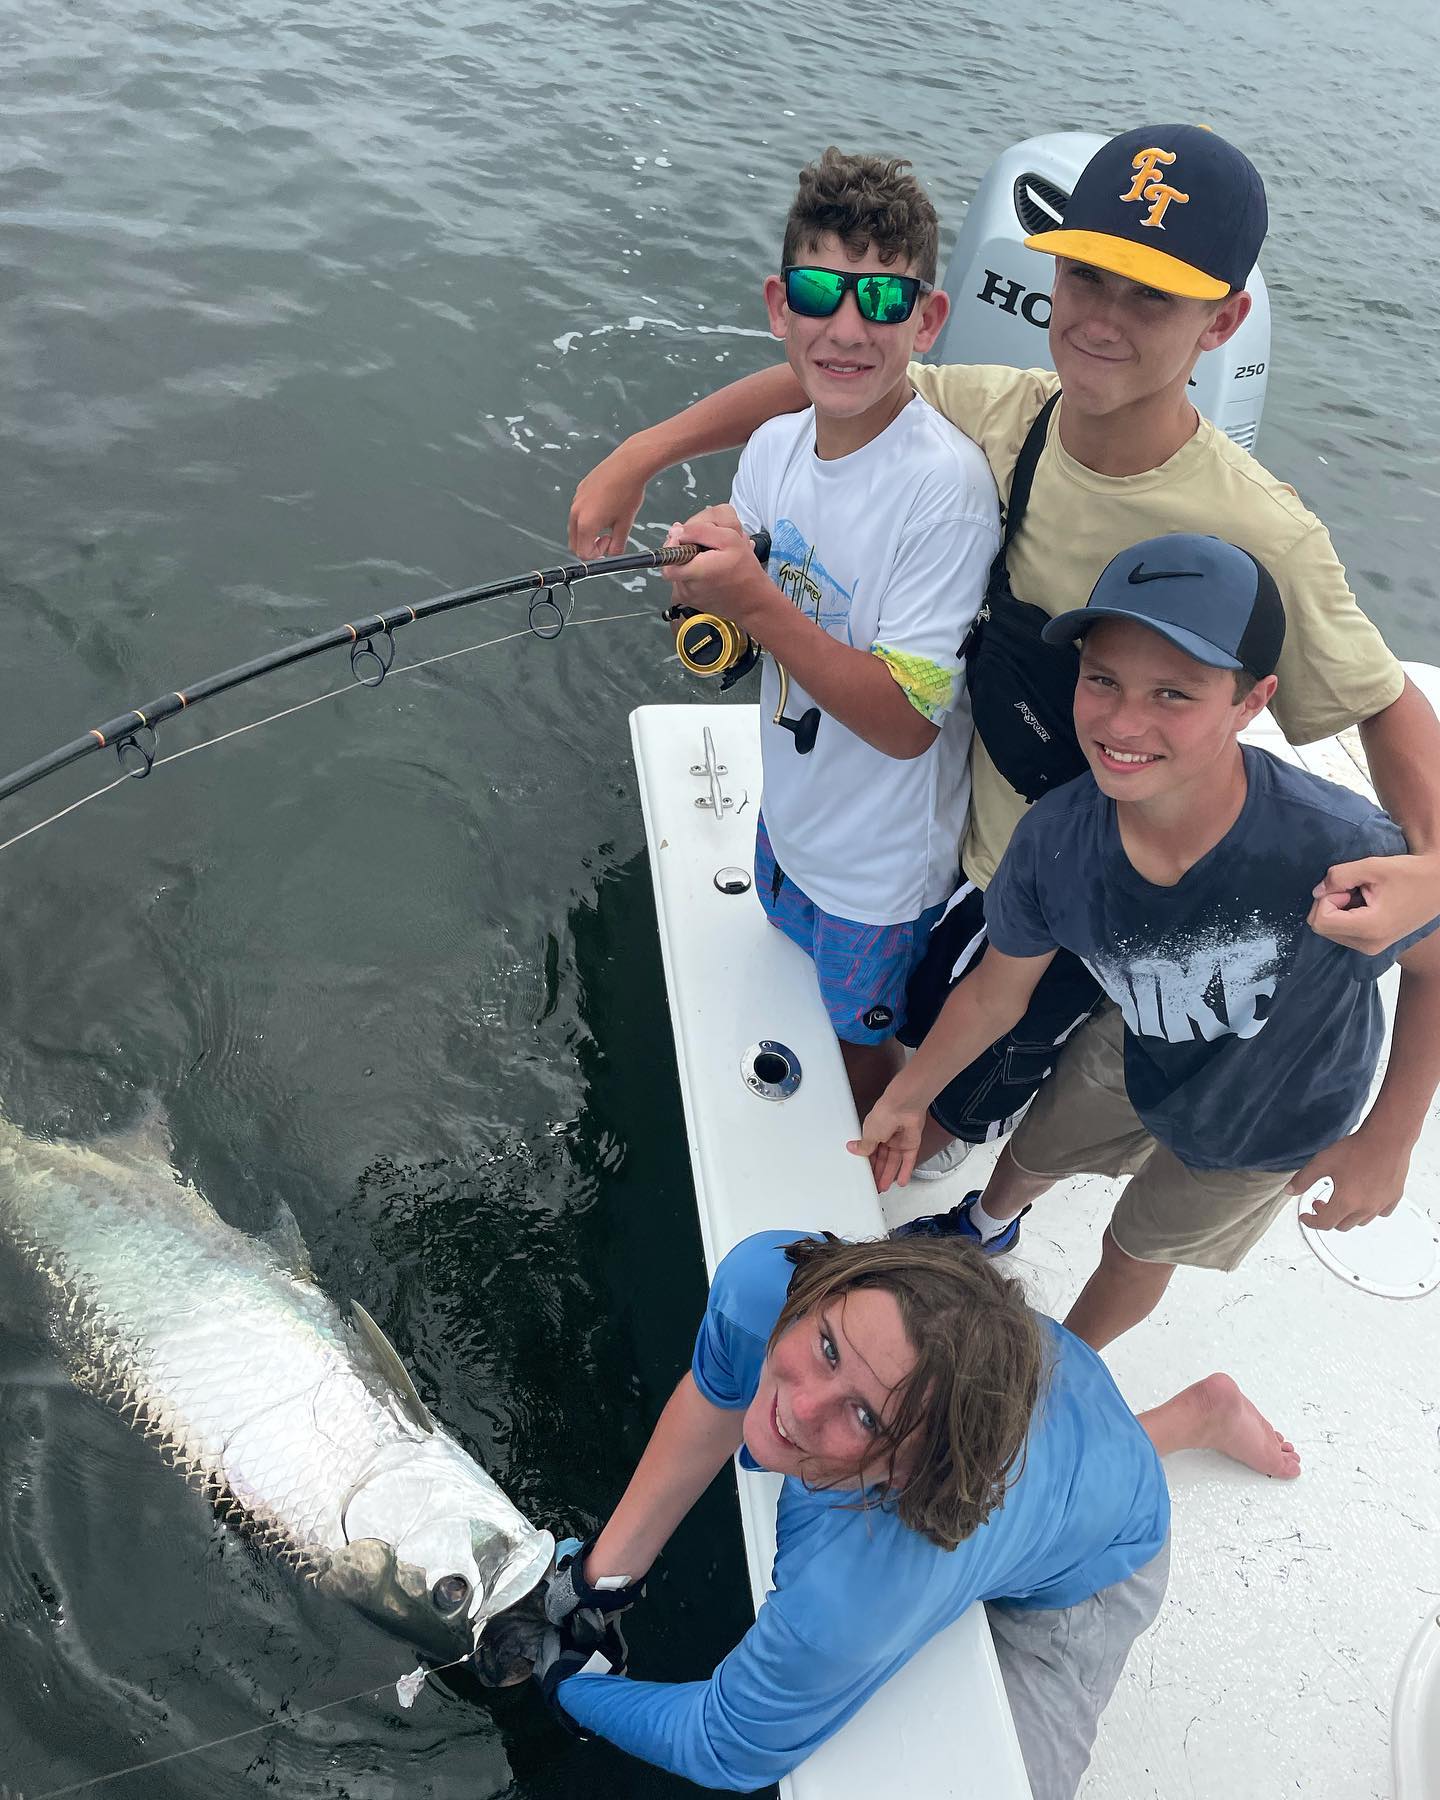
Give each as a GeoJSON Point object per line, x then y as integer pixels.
{"type": "Point", "coordinates": [307, 311]}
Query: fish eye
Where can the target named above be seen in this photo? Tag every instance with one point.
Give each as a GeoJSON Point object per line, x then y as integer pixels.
{"type": "Point", "coordinates": [450, 1593]}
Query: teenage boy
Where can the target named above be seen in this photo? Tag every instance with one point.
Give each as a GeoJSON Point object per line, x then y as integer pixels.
{"type": "Point", "coordinates": [1137, 297]}
{"type": "Point", "coordinates": [883, 520]}
{"type": "Point", "coordinates": [1238, 1051]}
{"type": "Point", "coordinates": [939, 1443]}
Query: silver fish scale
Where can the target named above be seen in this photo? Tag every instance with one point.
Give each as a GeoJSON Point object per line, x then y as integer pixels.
{"type": "Point", "coordinates": [242, 1371]}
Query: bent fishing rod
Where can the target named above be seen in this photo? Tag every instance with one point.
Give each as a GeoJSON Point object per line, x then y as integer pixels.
{"type": "Point", "coordinates": [371, 643]}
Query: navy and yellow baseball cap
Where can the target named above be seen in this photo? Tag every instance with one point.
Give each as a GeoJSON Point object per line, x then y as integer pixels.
{"type": "Point", "coordinates": [1174, 206]}
{"type": "Point", "coordinates": [1210, 599]}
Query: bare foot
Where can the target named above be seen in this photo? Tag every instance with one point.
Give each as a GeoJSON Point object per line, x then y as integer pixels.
{"type": "Point", "coordinates": [1214, 1415]}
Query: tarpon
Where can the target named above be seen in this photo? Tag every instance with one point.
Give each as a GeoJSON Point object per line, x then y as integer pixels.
{"type": "Point", "coordinates": [300, 1426]}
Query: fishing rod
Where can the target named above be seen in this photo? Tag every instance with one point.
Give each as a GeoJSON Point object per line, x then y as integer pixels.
{"type": "Point", "coordinates": [371, 643]}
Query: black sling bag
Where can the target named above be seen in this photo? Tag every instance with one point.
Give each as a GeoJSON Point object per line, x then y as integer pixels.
{"type": "Point", "coordinates": [1022, 690]}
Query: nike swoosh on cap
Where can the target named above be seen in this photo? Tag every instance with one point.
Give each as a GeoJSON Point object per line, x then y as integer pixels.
{"type": "Point", "coordinates": [1139, 574]}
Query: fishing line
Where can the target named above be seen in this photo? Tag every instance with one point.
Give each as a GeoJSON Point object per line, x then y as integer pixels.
{"type": "Point", "coordinates": [239, 731]}
{"type": "Point", "coordinates": [290, 1718]}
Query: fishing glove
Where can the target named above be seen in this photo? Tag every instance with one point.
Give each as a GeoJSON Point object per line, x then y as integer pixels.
{"type": "Point", "coordinates": [585, 1644]}
{"type": "Point", "coordinates": [569, 1592]}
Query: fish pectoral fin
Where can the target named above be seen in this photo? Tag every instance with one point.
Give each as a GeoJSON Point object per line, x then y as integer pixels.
{"type": "Point", "coordinates": [283, 1240]}
{"type": "Point", "coordinates": [388, 1365]}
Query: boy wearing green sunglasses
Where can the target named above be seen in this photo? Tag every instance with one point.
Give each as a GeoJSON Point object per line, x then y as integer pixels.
{"type": "Point", "coordinates": [883, 521]}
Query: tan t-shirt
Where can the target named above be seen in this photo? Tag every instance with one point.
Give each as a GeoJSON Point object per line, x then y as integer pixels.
{"type": "Point", "coordinates": [1335, 669]}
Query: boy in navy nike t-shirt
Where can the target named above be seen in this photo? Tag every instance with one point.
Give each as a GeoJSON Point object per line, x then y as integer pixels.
{"type": "Point", "coordinates": [1235, 1057]}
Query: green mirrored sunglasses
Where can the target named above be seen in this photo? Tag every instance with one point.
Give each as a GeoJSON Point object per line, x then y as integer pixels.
{"type": "Point", "coordinates": [883, 299]}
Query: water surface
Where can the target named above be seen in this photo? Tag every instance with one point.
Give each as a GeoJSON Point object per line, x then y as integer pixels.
{"type": "Point", "coordinates": [305, 311]}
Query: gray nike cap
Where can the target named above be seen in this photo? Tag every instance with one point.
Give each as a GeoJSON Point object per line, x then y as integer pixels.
{"type": "Point", "coordinates": [1211, 600]}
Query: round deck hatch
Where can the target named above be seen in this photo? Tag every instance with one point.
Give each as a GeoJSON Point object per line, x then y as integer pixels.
{"type": "Point", "coordinates": [733, 881]}
{"type": "Point", "coordinates": [771, 1070]}
{"type": "Point", "coordinates": [1398, 1257]}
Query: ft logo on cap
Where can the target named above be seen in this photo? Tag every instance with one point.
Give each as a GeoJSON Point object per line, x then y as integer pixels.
{"type": "Point", "coordinates": [1149, 185]}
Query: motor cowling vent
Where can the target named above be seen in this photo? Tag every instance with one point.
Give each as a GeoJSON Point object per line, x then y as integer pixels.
{"type": "Point", "coordinates": [1039, 204]}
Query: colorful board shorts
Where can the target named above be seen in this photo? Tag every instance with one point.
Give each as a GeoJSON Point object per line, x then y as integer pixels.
{"type": "Point", "coordinates": [862, 968]}
{"type": "Point", "coordinates": [1082, 1123]}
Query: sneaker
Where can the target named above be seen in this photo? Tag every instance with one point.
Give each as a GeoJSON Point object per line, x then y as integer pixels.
{"type": "Point", "coordinates": [943, 1162]}
{"type": "Point", "coordinates": [957, 1223]}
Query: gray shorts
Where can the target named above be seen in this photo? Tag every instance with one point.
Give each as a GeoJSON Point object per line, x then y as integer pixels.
{"type": "Point", "coordinates": [1060, 1669]}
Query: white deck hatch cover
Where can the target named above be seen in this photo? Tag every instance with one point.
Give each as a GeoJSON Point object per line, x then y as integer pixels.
{"type": "Point", "coordinates": [1398, 1257]}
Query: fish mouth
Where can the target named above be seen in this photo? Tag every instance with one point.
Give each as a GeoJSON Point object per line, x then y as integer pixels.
{"type": "Point", "coordinates": [508, 1645]}
{"type": "Point", "coordinates": [523, 1572]}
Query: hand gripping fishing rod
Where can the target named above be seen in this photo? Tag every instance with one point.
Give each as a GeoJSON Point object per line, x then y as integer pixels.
{"type": "Point", "coordinates": [710, 645]}
{"type": "Point", "coordinates": [371, 643]}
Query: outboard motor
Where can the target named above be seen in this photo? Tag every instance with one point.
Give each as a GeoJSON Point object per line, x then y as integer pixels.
{"type": "Point", "coordinates": [1000, 291]}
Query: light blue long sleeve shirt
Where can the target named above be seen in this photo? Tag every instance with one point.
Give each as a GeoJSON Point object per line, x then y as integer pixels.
{"type": "Point", "coordinates": [856, 1592]}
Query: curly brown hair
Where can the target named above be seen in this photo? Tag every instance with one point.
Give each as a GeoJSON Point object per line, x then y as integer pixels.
{"type": "Point", "coordinates": [979, 1363]}
{"type": "Point", "coordinates": [864, 200]}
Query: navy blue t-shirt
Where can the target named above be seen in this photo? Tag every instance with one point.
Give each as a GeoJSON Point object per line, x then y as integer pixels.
{"type": "Point", "coordinates": [1250, 1040]}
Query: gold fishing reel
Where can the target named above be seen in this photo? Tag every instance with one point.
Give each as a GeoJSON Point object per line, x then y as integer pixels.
{"type": "Point", "coordinates": [709, 645]}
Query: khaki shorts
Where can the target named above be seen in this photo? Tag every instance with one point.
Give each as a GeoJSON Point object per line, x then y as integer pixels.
{"type": "Point", "coordinates": [1082, 1123]}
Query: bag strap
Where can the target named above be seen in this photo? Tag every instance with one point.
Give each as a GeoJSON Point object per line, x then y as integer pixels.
{"type": "Point", "coordinates": [997, 585]}
{"type": "Point", "coordinates": [1025, 471]}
